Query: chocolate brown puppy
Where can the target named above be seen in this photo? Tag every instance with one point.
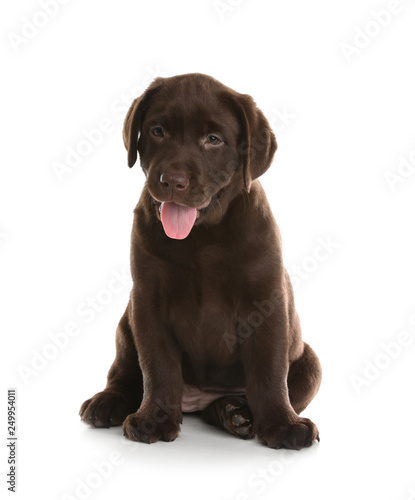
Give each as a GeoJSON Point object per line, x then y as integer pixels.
{"type": "Point", "coordinates": [211, 324]}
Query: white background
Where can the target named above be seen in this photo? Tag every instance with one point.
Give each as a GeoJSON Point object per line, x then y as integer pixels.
{"type": "Point", "coordinates": [346, 123]}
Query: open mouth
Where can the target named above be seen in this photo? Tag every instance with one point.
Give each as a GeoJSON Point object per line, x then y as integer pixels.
{"type": "Point", "coordinates": [179, 220]}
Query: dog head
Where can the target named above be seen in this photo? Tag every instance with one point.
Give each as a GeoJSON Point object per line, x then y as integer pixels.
{"type": "Point", "coordinates": [200, 144]}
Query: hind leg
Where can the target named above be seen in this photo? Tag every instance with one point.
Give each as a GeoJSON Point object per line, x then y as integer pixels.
{"type": "Point", "coordinates": [232, 414]}
{"type": "Point", "coordinates": [304, 378]}
{"type": "Point", "coordinates": [124, 391]}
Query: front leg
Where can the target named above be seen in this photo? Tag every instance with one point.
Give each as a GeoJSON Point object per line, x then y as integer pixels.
{"type": "Point", "coordinates": [159, 415]}
{"type": "Point", "coordinates": [265, 356]}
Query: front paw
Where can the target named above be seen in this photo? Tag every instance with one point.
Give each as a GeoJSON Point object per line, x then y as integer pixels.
{"type": "Point", "coordinates": [293, 435]}
{"type": "Point", "coordinates": [106, 409]}
{"type": "Point", "coordinates": [148, 429]}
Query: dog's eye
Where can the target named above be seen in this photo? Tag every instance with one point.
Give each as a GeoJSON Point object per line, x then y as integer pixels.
{"type": "Point", "coordinates": [212, 139]}
{"type": "Point", "coordinates": [158, 132]}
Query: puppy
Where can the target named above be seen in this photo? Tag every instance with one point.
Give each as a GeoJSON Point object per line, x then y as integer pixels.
{"type": "Point", "coordinates": [211, 324]}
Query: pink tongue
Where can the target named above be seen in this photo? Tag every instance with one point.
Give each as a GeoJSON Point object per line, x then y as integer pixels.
{"type": "Point", "coordinates": [177, 220]}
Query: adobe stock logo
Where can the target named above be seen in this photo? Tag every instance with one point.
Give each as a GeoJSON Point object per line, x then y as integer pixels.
{"type": "Point", "coordinates": [389, 352]}
{"type": "Point", "coordinates": [40, 19]}
{"type": "Point", "coordinates": [83, 148]}
{"type": "Point", "coordinates": [259, 481]}
{"type": "Point", "coordinates": [3, 237]}
{"type": "Point", "coordinates": [74, 155]}
{"type": "Point", "coordinates": [280, 119]}
{"type": "Point", "coordinates": [88, 309]}
{"type": "Point", "coordinates": [364, 35]}
{"type": "Point", "coordinates": [405, 169]}
{"type": "Point", "coordinates": [101, 471]}
{"type": "Point", "coordinates": [223, 7]}
{"type": "Point", "coordinates": [309, 265]}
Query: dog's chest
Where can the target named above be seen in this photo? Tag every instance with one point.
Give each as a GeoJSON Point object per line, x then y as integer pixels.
{"type": "Point", "coordinates": [201, 305]}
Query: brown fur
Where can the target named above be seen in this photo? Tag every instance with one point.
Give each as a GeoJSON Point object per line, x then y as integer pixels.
{"type": "Point", "coordinates": [217, 307]}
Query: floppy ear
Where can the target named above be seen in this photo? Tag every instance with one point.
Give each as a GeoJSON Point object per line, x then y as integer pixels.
{"type": "Point", "coordinates": [134, 118]}
{"type": "Point", "coordinates": [258, 143]}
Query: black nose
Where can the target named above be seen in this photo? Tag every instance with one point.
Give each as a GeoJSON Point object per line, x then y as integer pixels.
{"type": "Point", "coordinates": [176, 181]}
